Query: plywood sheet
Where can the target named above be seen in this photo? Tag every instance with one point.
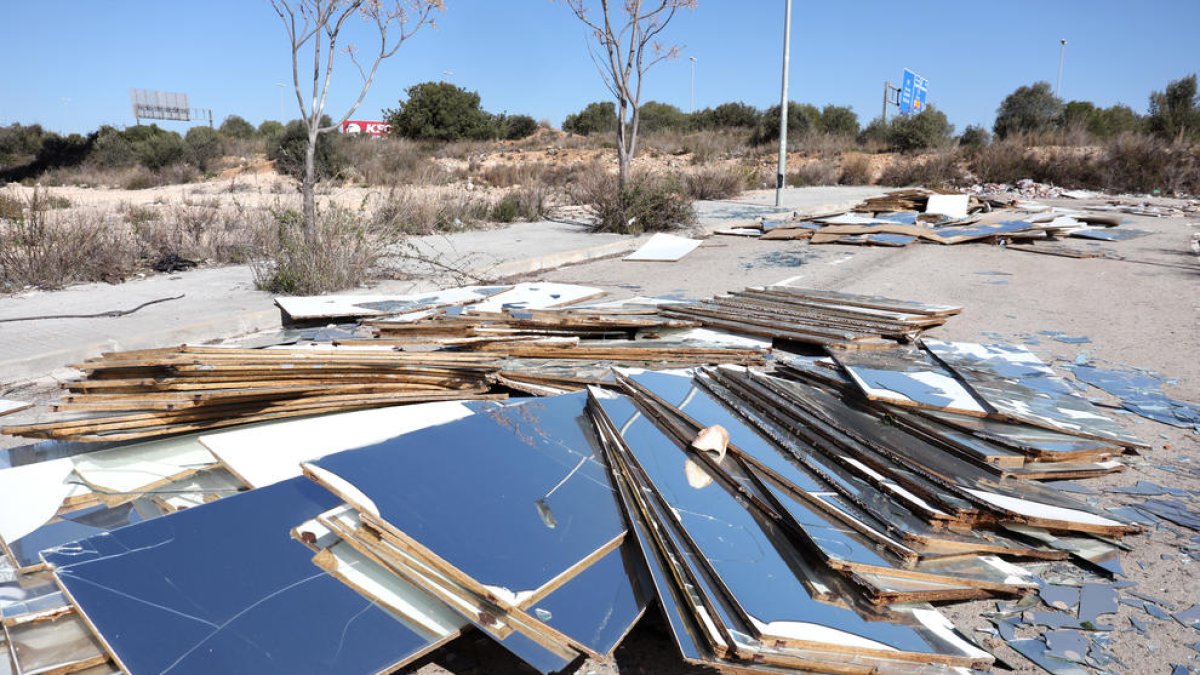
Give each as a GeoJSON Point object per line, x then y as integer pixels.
{"type": "Point", "coordinates": [267, 454]}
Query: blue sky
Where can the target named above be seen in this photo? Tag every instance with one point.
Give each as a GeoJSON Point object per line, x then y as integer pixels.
{"type": "Point", "coordinates": [70, 63]}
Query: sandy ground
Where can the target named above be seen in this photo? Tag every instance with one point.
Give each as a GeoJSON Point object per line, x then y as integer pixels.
{"type": "Point", "coordinates": [1143, 312]}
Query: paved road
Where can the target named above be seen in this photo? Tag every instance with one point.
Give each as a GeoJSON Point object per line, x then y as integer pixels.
{"type": "Point", "coordinates": [222, 302]}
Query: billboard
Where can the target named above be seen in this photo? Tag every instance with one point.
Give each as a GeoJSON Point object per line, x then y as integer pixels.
{"type": "Point", "coordinates": [913, 89]}
{"type": "Point", "coordinates": [372, 127]}
{"type": "Point", "coordinates": [159, 105]}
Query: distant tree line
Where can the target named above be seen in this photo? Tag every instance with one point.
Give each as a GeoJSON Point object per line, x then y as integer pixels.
{"type": "Point", "coordinates": [1174, 114]}
{"type": "Point", "coordinates": [926, 130]}
{"type": "Point", "coordinates": [27, 151]}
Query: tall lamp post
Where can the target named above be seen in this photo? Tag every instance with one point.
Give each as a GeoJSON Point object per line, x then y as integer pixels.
{"type": "Point", "coordinates": [783, 104]}
{"type": "Point", "coordinates": [1062, 52]}
{"type": "Point", "coordinates": [693, 99]}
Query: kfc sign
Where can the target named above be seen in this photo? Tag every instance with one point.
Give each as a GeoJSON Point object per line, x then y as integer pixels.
{"type": "Point", "coordinates": [365, 127]}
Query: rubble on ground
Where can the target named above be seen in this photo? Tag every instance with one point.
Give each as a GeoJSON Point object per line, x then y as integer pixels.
{"type": "Point", "coordinates": [795, 479]}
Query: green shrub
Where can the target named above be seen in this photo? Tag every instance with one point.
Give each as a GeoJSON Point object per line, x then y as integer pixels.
{"type": "Point", "coordinates": [839, 120]}
{"type": "Point", "coordinates": [236, 127]}
{"type": "Point", "coordinates": [270, 128]}
{"type": "Point", "coordinates": [288, 148]}
{"type": "Point", "coordinates": [440, 111]}
{"type": "Point", "coordinates": [1175, 111]}
{"type": "Point", "coordinates": [599, 117]}
{"type": "Point", "coordinates": [646, 204]}
{"type": "Point", "coordinates": [63, 151]}
{"type": "Point", "coordinates": [112, 149]}
{"type": "Point", "coordinates": [733, 115]}
{"type": "Point", "coordinates": [802, 120]}
{"type": "Point", "coordinates": [203, 146]}
{"type": "Point", "coordinates": [974, 136]}
{"type": "Point", "coordinates": [516, 127]}
{"type": "Point", "coordinates": [1029, 109]}
{"type": "Point", "coordinates": [655, 116]}
{"type": "Point", "coordinates": [927, 129]}
{"type": "Point", "coordinates": [19, 143]}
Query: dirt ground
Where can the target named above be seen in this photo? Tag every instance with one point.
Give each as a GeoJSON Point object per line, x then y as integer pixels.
{"type": "Point", "coordinates": [1143, 312]}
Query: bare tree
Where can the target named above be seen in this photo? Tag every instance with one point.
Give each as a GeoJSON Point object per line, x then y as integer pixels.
{"type": "Point", "coordinates": [317, 25]}
{"type": "Point", "coordinates": [629, 38]}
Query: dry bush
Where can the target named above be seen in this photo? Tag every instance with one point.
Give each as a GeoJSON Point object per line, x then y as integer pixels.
{"type": "Point", "coordinates": [135, 177]}
{"type": "Point", "coordinates": [1005, 161]}
{"type": "Point", "coordinates": [649, 203]}
{"type": "Point", "coordinates": [525, 174]}
{"type": "Point", "coordinates": [1138, 163]}
{"type": "Point", "coordinates": [51, 249]}
{"type": "Point", "coordinates": [525, 203]}
{"type": "Point", "coordinates": [941, 168]}
{"type": "Point", "coordinates": [822, 144]}
{"type": "Point", "coordinates": [429, 210]}
{"type": "Point", "coordinates": [814, 172]}
{"type": "Point", "coordinates": [393, 161]}
{"type": "Point", "coordinates": [718, 182]}
{"type": "Point", "coordinates": [344, 252]}
{"type": "Point", "coordinates": [198, 232]}
{"type": "Point", "coordinates": [856, 169]}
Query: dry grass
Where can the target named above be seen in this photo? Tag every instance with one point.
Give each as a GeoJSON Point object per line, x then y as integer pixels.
{"type": "Point", "coordinates": [814, 172]}
{"type": "Point", "coordinates": [125, 178]}
{"type": "Point", "coordinates": [856, 169]}
{"type": "Point", "coordinates": [718, 182]}
{"type": "Point", "coordinates": [343, 252]}
{"type": "Point", "coordinates": [425, 210]}
{"type": "Point", "coordinates": [934, 169]}
{"type": "Point", "coordinates": [51, 249]}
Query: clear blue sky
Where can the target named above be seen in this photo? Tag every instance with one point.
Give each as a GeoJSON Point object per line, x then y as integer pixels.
{"type": "Point", "coordinates": [70, 63]}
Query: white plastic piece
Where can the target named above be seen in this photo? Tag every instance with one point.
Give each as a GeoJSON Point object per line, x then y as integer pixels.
{"type": "Point", "coordinates": [30, 495]}
{"type": "Point", "coordinates": [664, 248]}
{"type": "Point", "coordinates": [954, 206]}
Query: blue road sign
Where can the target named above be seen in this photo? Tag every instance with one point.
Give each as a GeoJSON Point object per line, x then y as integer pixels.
{"type": "Point", "coordinates": [912, 93]}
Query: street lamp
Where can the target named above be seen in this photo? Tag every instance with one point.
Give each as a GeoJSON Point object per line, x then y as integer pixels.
{"type": "Point", "coordinates": [693, 99]}
{"type": "Point", "coordinates": [1062, 52]}
{"type": "Point", "coordinates": [783, 104]}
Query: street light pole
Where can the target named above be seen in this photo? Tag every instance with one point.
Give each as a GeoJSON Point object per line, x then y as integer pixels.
{"type": "Point", "coordinates": [780, 176]}
{"type": "Point", "coordinates": [693, 99]}
{"type": "Point", "coordinates": [1062, 52]}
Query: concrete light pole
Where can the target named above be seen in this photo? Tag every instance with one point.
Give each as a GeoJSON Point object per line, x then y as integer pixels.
{"type": "Point", "coordinates": [1062, 52]}
{"type": "Point", "coordinates": [780, 176]}
{"type": "Point", "coordinates": [693, 99]}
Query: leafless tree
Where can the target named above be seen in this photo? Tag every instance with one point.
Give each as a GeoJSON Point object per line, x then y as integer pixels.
{"type": "Point", "coordinates": [317, 25]}
{"type": "Point", "coordinates": [628, 36]}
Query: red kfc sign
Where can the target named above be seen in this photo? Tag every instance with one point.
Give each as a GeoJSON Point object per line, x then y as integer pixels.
{"type": "Point", "coordinates": [365, 127]}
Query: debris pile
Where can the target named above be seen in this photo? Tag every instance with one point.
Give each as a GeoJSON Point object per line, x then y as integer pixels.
{"type": "Point", "coordinates": [911, 216]}
{"type": "Point", "coordinates": [788, 512]}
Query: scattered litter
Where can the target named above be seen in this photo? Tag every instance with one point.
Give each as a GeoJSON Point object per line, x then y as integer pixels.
{"type": "Point", "coordinates": [510, 460]}
{"type": "Point", "coordinates": [1140, 392]}
{"type": "Point", "coordinates": [664, 248]}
